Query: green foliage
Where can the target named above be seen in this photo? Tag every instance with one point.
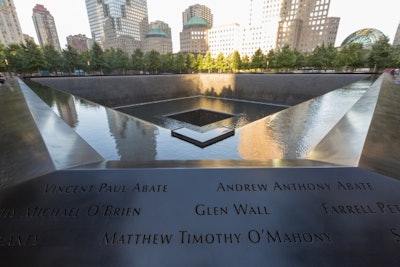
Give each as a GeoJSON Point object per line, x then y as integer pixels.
{"type": "Point", "coordinates": [220, 63]}
{"type": "Point", "coordinates": [138, 63]}
{"type": "Point", "coordinates": [235, 61]}
{"type": "Point", "coordinates": [29, 59]}
{"type": "Point", "coordinates": [97, 61]}
{"type": "Point", "coordinates": [3, 58]}
{"type": "Point", "coordinates": [352, 56]}
{"type": "Point", "coordinates": [323, 57]}
{"type": "Point", "coordinates": [258, 60]}
{"type": "Point", "coordinates": [180, 62]}
{"type": "Point", "coordinates": [153, 61]}
{"type": "Point", "coordinates": [191, 62]}
{"type": "Point", "coordinates": [271, 59]}
{"type": "Point", "coordinates": [72, 60]}
{"type": "Point", "coordinates": [245, 62]}
{"type": "Point", "coordinates": [200, 62]}
{"type": "Point", "coordinates": [33, 56]}
{"type": "Point", "coordinates": [208, 62]}
{"type": "Point", "coordinates": [116, 61]}
{"type": "Point", "coordinates": [382, 54]}
{"type": "Point", "coordinates": [167, 62]}
{"type": "Point", "coordinates": [15, 58]}
{"type": "Point", "coordinates": [53, 59]}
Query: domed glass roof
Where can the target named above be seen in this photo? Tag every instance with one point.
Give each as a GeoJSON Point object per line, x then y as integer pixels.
{"type": "Point", "coordinates": [156, 33]}
{"type": "Point", "coordinates": [367, 37]}
{"type": "Point", "coordinates": [196, 22]}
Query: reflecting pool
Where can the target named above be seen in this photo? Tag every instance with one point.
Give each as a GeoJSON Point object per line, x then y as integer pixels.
{"type": "Point", "coordinates": [164, 113]}
{"type": "Point", "coordinates": [262, 131]}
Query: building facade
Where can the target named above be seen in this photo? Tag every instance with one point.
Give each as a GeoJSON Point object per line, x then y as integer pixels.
{"type": "Point", "coordinates": [196, 20]}
{"type": "Point", "coordinates": [45, 27]}
{"type": "Point", "coordinates": [301, 24]}
{"type": "Point", "coordinates": [158, 38]}
{"type": "Point", "coordinates": [304, 24]}
{"type": "Point", "coordinates": [224, 39]}
{"type": "Point", "coordinates": [80, 42]}
{"type": "Point", "coordinates": [200, 11]}
{"type": "Point", "coordinates": [119, 24]}
{"type": "Point", "coordinates": [193, 38]}
{"type": "Point", "coordinates": [262, 28]}
{"type": "Point", "coordinates": [11, 32]}
{"type": "Point", "coordinates": [396, 40]}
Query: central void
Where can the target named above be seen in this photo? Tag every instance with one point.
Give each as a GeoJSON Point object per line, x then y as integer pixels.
{"type": "Point", "coordinates": [200, 120]}
{"type": "Point", "coordinates": [201, 113]}
{"type": "Point", "coordinates": [200, 117]}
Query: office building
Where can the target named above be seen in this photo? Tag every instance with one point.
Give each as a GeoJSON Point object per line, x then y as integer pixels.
{"type": "Point", "coordinates": [11, 32]}
{"type": "Point", "coordinates": [118, 23]}
{"type": "Point", "coordinates": [200, 11]}
{"type": "Point", "coordinates": [396, 40]}
{"type": "Point", "coordinates": [45, 27]}
{"type": "Point", "coordinates": [196, 21]}
{"type": "Point", "coordinates": [301, 24]}
{"type": "Point", "coordinates": [304, 24]}
{"type": "Point", "coordinates": [224, 39]}
{"type": "Point", "coordinates": [80, 42]}
{"type": "Point", "coordinates": [261, 30]}
{"type": "Point", "coordinates": [158, 38]}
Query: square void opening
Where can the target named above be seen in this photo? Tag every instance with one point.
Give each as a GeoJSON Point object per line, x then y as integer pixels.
{"type": "Point", "coordinates": [200, 117]}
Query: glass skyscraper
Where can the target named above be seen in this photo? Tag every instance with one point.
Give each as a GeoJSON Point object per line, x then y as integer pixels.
{"type": "Point", "coordinates": [118, 23]}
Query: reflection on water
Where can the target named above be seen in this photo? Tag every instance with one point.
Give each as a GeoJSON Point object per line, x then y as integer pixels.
{"type": "Point", "coordinates": [290, 133]}
{"type": "Point", "coordinates": [244, 111]}
{"type": "Point", "coordinates": [294, 132]}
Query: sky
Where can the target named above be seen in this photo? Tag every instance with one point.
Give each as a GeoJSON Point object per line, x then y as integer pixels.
{"type": "Point", "coordinates": [71, 16]}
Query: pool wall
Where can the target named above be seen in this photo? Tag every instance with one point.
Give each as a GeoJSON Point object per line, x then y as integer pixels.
{"type": "Point", "coordinates": [284, 89]}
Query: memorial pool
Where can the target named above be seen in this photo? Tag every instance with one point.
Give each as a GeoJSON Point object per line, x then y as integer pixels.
{"type": "Point", "coordinates": [145, 134]}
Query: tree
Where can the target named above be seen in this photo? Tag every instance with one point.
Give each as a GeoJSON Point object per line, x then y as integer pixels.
{"type": "Point", "coordinates": [97, 61]}
{"type": "Point", "coordinates": [124, 62]}
{"type": "Point", "coordinates": [116, 60]}
{"type": "Point", "coordinates": [167, 62]}
{"type": "Point", "coordinates": [180, 62]}
{"type": "Point", "coordinates": [153, 61]}
{"type": "Point", "coordinates": [71, 59]}
{"type": "Point", "coordinates": [3, 58]}
{"type": "Point", "coordinates": [351, 56]}
{"type": "Point", "coordinates": [258, 60]}
{"type": "Point", "coordinates": [245, 62]}
{"type": "Point", "coordinates": [137, 58]}
{"type": "Point", "coordinates": [34, 57]}
{"type": "Point", "coordinates": [235, 61]}
{"type": "Point", "coordinates": [299, 59]}
{"type": "Point", "coordinates": [323, 57]}
{"type": "Point", "coordinates": [15, 58]}
{"type": "Point", "coordinates": [208, 62]}
{"type": "Point", "coordinates": [85, 58]}
{"type": "Point", "coordinates": [200, 62]}
{"type": "Point", "coordinates": [52, 58]}
{"type": "Point", "coordinates": [381, 55]}
{"type": "Point", "coordinates": [191, 62]}
{"type": "Point", "coordinates": [271, 59]}
{"type": "Point", "coordinates": [286, 58]}
{"type": "Point", "coordinates": [220, 63]}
